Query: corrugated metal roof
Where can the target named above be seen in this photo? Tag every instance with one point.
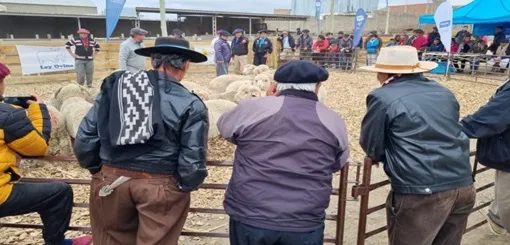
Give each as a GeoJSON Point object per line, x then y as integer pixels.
{"type": "Point", "coordinates": [80, 3]}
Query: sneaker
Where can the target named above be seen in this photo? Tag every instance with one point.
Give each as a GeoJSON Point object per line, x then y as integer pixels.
{"type": "Point", "coordinates": [493, 225]}
{"type": "Point", "coordinates": [83, 240]}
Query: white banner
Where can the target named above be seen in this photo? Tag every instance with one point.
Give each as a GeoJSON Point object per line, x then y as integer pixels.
{"type": "Point", "coordinates": [38, 59]}
{"type": "Point", "coordinates": [444, 23]}
{"type": "Point", "coordinates": [207, 51]}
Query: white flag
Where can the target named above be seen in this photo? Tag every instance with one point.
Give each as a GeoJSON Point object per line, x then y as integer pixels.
{"type": "Point", "coordinates": [444, 23]}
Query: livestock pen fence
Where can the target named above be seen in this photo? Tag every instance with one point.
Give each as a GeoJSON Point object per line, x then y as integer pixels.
{"type": "Point", "coordinates": [339, 218]}
{"type": "Point", "coordinates": [362, 187]}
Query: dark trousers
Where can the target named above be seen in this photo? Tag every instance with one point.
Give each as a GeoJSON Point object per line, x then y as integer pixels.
{"type": "Point", "coordinates": [436, 219]}
{"type": "Point", "coordinates": [52, 201]}
{"type": "Point", "coordinates": [241, 234]}
{"type": "Point", "coordinates": [259, 59]}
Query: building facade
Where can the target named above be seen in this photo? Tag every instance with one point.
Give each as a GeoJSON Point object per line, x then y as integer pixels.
{"type": "Point", "coordinates": [307, 7]}
{"type": "Point", "coordinates": [82, 7]}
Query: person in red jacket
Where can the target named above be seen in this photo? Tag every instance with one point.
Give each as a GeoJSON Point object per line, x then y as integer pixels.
{"type": "Point", "coordinates": [420, 41]}
{"type": "Point", "coordinates": [320, 50]}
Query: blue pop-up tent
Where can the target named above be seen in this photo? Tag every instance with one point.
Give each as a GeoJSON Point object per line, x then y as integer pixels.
{"type": "Point", "coordinates": [485, 15]}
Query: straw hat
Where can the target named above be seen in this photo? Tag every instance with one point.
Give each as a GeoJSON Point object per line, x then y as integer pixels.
{"type": "Point", "coordinates": [400, 60]}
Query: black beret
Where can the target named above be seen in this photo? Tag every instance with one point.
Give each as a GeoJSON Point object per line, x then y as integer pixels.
{"type": "Point", "coordinates": [300, 71]}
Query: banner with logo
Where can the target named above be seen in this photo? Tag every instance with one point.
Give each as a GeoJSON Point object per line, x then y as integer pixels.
{"type": "Point", "coordinates": [359, 25]}
{"type": "Point", "coordinates": [207, 51]}
{"type": "Point", "coordinates": [444, 20]}
{"type": "Point", "coordinates": [38, 59]}
{"type": "Point", "coordinates": [113, 10]}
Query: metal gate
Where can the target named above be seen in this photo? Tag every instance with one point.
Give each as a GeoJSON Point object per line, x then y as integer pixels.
{"type": "Point", "coordinates": [363, 190]}
{"type": "Point", "coordinates": [339, 217]}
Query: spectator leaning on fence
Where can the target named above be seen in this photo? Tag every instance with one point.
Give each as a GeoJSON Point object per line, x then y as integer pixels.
{"type": "Point", "coordinates": [345, 52]}
{"type": "Point", "coordinates": [288, 45]}
{"type": "Point", "coordinates": [423, 149]}
{"type": "Point", "coordinates": [433, 35]}
{"type": "Point", "coordinates": [128, 60]}
{"type": "Point", "coordinates": [491, 125]}
{"type": "Point", "coordinates": [279, 196]}
{"type": "Point", "coordinates": [86, 49]}
{"type": "Point", "coordinates": [480, 48]}
{"type": "Point", "coordinates": [26, 132]}
{"type": "Point", "coordinates": [222, 53]}
{"type": "Point", "coordinates": [262, 48]}
{"type": "Point", "coordinates": [304, 44]}
{"type": "Point", "coordinates": [156, 163]}
{"type": "Point", "coordinates": [502, 59]}
{"type": "Point", "coordinates": [465, 47]}
{"type": "Point", "coordinates": [239, 51]}
{"type": "Point", "coordinates": [459, 37]}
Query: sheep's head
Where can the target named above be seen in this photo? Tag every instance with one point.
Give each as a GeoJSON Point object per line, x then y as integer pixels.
{"type": "Point", "coordinates": [262, 81]}
{"type": "Point", "coordinates": [70, 91]}
{"type": "Point", "coordinates": [248, 69]}
{"type": "Point", "coordinates": [246, 92]}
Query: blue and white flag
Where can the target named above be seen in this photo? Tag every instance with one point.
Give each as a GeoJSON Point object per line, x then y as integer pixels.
{"type": "Point", "coordinates": [444, 21]}
{"type": "Point", "coordinates": [113, 10]}
{"type": "Point", "coordinates": [359, 26]}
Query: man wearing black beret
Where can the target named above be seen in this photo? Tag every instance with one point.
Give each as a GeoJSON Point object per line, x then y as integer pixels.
{"type": "Point", "coordinates": [288, 147]}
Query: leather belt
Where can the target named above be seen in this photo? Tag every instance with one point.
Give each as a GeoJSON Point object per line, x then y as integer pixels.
{"type": "Point", "coordinates": [132, 174]}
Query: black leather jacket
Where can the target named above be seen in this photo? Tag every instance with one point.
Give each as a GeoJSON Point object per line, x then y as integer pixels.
{"type": "Point", "coordinates": [182, 146]}
{"type": "Point", "coordinates": [412, 126]}
{"type": "Point", "coordinates": [491, 125]}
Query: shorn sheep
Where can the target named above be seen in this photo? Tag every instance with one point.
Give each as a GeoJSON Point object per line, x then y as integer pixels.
{"type": "Point", "coordinates": [216, 109]}
{"type": "Point", "coordinates": [74, 102]}
{"type": "Point", "coordinates": [60, 142]}
{"type": "Point", "coordinates": [221, 83]}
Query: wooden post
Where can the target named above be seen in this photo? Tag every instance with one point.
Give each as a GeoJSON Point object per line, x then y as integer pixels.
{"type": "Point", "coordinates": [162, 16]}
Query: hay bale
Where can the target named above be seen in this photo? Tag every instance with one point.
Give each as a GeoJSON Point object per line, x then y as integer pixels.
{"type": "Point", "coordinates": [74, 110]}
{"type": "Point", "coordinates": [216, 109]}
{"type": "Point", "coordinates": [60, 142]}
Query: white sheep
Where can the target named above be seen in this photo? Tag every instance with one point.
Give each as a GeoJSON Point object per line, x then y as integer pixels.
{"type": "Point", "coordinates": [234, 86]}
{"type": "Point", "coordinates": [260, 69]}
{"type": "Point", "coordinates": [230, 96]}
{"type": "Point", "coordinates": [248, 69]}
{"type": "Point", "coordinates": [246, 92]}
{"type": "Point", "coordinates": [220, 83]}
{"type": "Point", "coordinates": [216, 109]}
{"type": "Point", "coordinates": [201, 91]}
{"type": "Point", "coordinates": [74, 110]}
{"type": "Point", "coordinates": [60, 142]}
{"type": "Point", "coordinates": [263, 81]}
{"type": "Point", "coordinates": [69, 91]}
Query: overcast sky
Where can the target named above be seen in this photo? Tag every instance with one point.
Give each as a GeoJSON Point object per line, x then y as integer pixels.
{"type": "Point", "coordinates": [255, 6]}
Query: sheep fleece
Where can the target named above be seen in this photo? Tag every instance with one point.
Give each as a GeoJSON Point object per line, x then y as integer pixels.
{"type": "Point", "coordinates": [74, 110]}
{"type": "Point", "coordinates": [216, 109]}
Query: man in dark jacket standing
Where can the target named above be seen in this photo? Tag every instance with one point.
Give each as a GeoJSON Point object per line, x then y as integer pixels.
{"type": "Point", "coordinates": [433, 35]}
{"type": "Point", "coordinates": [279, 196]}
{"type": "Point", "coordinates": [459, 37]}
{"type": "Point", "coordinates": [423, 149]}
{"type": "Point", "coordinates": [222, 53]}
{"type": "Point", "coordinates": [491, 125]}
{"type": "Point", "coordinates": [262, 48]}
{"type": "Point", "coordinates": [499, 37]}
{"type": "Point", "coordinates": [304, 45]}
{"type": "Point", "coordinates": [85, 51]}
{"type": "Point", "coordinates": [239, 51]}
{"type": "Point", "coordinates": [288, 45]}
{"type": "Point", "coordinates": [145, 157]}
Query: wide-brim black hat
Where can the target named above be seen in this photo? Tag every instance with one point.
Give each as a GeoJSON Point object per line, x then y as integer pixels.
{"type": "Point", "coordinates": [170, 45]}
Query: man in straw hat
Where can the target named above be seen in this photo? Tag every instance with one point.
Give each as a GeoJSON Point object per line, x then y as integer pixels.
{"type": "Point", "coordinates": [279, 196]}
{"type": "Point", "coordinates": [86, 49]}
{"type": "Point", "coordinates": [145, 143]}
{"type": "Point", "coordinates": [412, 127]}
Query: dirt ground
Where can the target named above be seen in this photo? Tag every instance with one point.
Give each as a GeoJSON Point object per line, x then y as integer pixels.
{"type": "Point", "coordinates": [346, 95]}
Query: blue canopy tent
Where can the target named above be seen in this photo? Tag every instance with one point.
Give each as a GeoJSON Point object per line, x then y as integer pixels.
{"type": "Point", "coordinates": [484, 15]}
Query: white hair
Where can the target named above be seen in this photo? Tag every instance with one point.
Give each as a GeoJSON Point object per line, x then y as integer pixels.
{"type": "Point", "coordinates": [310, 87]}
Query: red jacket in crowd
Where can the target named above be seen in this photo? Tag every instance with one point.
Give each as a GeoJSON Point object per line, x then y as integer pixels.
{"type": "Point", "coordinates": [420, 41]}
{"type": "Point", "coordinates": [321, 45]}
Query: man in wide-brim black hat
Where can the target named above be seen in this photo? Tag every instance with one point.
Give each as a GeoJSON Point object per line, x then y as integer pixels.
{"type": "Point", "coordinates": [145, 143]}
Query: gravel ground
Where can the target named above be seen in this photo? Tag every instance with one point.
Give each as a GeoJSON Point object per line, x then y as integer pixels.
{"type": "Point", "coordinates": [346, 95]}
